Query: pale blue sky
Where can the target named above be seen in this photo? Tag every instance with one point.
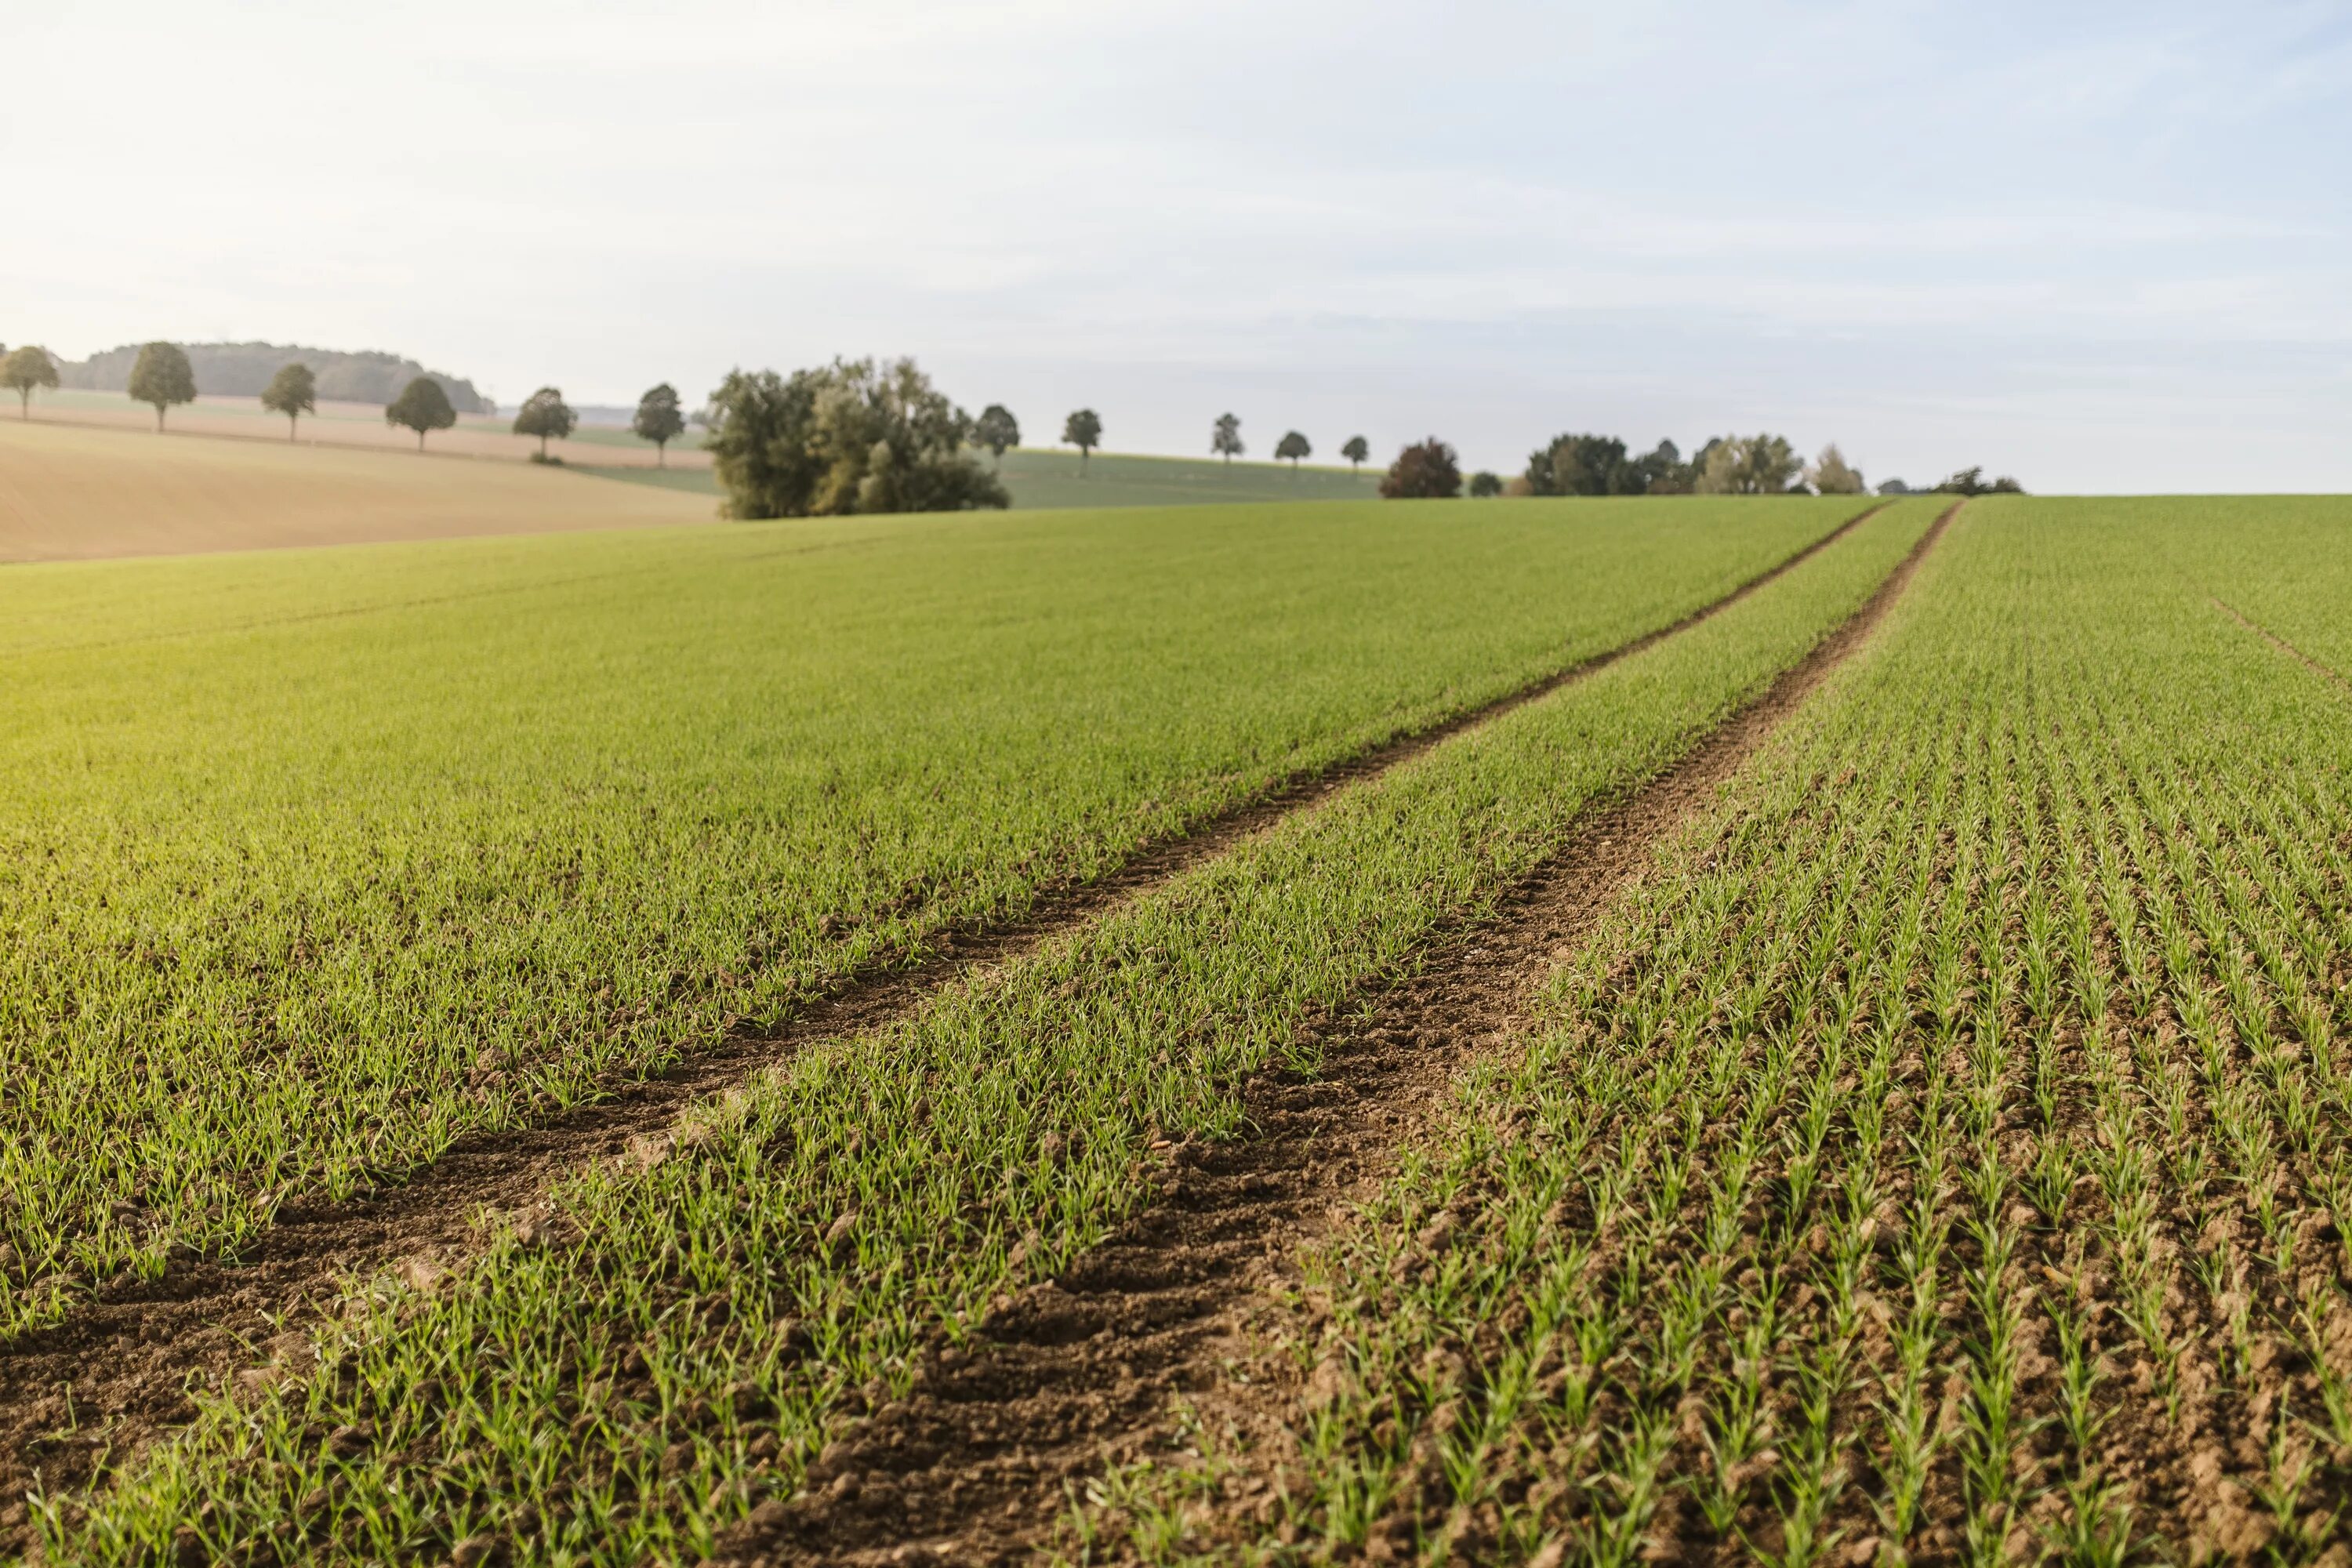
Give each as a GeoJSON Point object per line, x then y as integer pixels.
{"type": "Point", "coordinates": [2104, 247]}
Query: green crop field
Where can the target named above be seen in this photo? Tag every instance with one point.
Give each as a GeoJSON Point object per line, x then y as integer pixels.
{"type": "Point", "coordinates": [1039, 477]}
{"type": "Point", "coordinates": [316, 863]}
{"type": "Point", "coordinates": [1847, 1066]}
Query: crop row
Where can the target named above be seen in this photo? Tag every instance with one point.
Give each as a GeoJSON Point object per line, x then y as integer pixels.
{"type": "Point", "coordinates": [634, 1370]}
{"type": "Point", "coordinates": [1944, 1156]}
{"type": "Point", "coordinates": [290, 899]}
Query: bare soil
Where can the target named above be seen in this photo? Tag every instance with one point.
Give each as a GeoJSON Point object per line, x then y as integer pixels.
{"type": "Point", "coordinates": [1091, 1370]}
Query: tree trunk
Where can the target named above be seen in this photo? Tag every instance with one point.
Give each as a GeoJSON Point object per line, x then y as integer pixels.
{"type": "Point", "coordinates": [420, 440]}
{"type": "Point", "coordinates": [159, 419]}
{"type": "Point", "coordinates": [543, 446]}
{"type": "Point", "coordinates": [661, 454]}
{"type": "Point", "coordinates": [289, 426]}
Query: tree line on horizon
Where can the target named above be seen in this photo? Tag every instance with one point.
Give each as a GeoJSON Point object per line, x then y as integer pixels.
{"type": "Point", "coordinates": [865, 435]}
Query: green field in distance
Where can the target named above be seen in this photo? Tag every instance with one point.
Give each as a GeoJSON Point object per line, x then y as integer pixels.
{"type": "Point", "coordinates": [1041, 476]}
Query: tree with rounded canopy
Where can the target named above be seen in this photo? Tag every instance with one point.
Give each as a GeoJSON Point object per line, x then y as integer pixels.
{"type": "Point", "coordinates": [1832, 475]}
{"type": "Point", "coordinates": [996, 430]}
{"type": "Point", "coordinates": [659, 419]}
{"type": "Point", "coordinates": [1293, 446]}
{"type": "Point", "coordinates": [1356, 451]}
{"type": "Point", "coordinates": [1747, 466]}
{"type": "Point", "coordinates": [1225, 439]}
{"type": "Point", "coordinates": [854, 437]}
{"type": "Point", "coordinates": [545, 414]}
{"type": "Point", "coordinates": [1483, 484]}
{"type": "Point", "coordinates": [163, 376]}
{"type": "Point", "coordinates": [293, 392]}
{"type": "Point", "coordinates": [1084, 431]}
{"type": "Point", "coordinates": [423, 405]}
{"type": "Point", "coordinates": [1428, 470]}
{"type": "Point", "coordinates": [25, 369]}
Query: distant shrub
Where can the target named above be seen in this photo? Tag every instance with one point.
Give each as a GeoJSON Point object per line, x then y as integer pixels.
{"type": "Point", "coordinates": [1428, 470]}
{"type": "Point", "coordinates": [1484, 485]}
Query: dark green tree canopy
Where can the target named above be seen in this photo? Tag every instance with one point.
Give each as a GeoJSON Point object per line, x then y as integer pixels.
{"type": "Point", "coordinates": [545, 414]}
{"type": "Point", "coordinates": [1483, 484]}
{"type": "Point", "coordinates": [1971, 481]}
{"type": "Point", "coordinates": [161, 377]}
{"type": "Point", "coordinates": [1595, 465]}
{"type": "Point", "coordinates": [1426, 470]}
{"type": "Point", "coordinates": [1356, 451]}
{"type": "Point", "coordinates": [422, 406]}
{"type": "Point", "coordinates": [23, 369]}
{"type": "Point", "coordinates": [659, 418]}
{"type": "Point", "coordinates": [854, 437]}
{"type": "Point", "coordinates": [293, 392]}
{"type": "Point", "coordinates": [1225, 438]}
{"type": "Point", "coordinates": [1084, 431]}
{"type": "Point", "coordinates": [996, 429]}
{"type": "Point", "coordinates": [1293, 446]}
{"type": "Point", "coordinates": [1663, 471]}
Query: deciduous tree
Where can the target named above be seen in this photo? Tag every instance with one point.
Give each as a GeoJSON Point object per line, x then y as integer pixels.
{"type": "Point", "coordinates": [1483, 484]}
{"type": "Point", "coordinates": [1747, 465]}
{"type": "Point", "coordinates": [23, 369]}
{"type": "Point", "coordinates": [423, 405]}
{"type": "Point", "coordinates": [545, 414]}
{"type": "Point", "coordinates": [1293, 446]}
{"type": "Point", "coordinates": [1832, 475]}
{"type": "Point", "coordinates": [162, 376]}
{"type": "Point", "coordinates": [996, 430]}
{"type": "Point", "coordinates": [293, 392]}
{"type": "Point", "coordinates": [1663, 471]}
{"type": "Point", "coordinates": [1084, 431]}
{"type": "Point", "coordinates": [1427, 470]}
{"type": "Point", "coordinates": [659, 419]}
{"type": "Point", "coordinates": [1356, 451]}
{"type": "Point", "coordinates": [852, 437]}
{"type": "Point", "coordinates": [1225, 439]}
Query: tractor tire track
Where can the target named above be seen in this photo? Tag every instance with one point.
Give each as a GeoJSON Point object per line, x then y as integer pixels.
{"type": "Point", "coordinates": [978, 1464]}
{"type": "Point", "coordinates": [2325, 672]}
{"type": "Point", "coordinates": [78, 1398]}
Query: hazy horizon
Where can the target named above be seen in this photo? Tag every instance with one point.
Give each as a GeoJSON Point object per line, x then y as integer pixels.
{"type": "Point", "coordinates": [2102, 250]}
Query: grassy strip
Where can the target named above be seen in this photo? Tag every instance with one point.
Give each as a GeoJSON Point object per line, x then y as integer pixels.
{"type": "Point", "coordinates": [335, 863]}
{"type": "Point", "coordinates": [1950, 1157]}
{"type": "Point", "coordinates": [633, 1373]}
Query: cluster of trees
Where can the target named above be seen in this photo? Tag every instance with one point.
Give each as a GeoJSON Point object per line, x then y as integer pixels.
{"type": "Point", "coordinates": [1579, 465]}
{"type": "Point", "coordinates": [1589, 464]}
{"type": "Point", "coordinates": [1969, 481]}
{"type": "Point", "coordinates": [244, 370]}
{"type": "Point", "coordinates": [855, 436]}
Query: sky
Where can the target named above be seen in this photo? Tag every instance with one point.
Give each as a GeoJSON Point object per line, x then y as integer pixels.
{"type": "Point", "coordinates": [2106, 247]}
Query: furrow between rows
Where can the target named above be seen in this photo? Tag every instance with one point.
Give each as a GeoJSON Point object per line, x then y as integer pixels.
{"type": "Point", "coordinates": [1135, 1344]}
